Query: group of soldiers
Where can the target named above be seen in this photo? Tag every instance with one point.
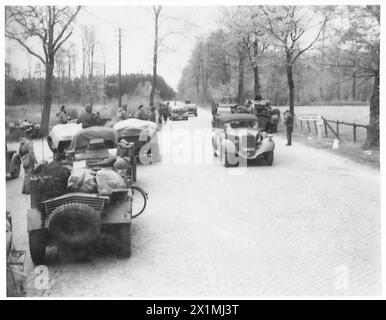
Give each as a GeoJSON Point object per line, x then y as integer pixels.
{"type": "Point", "coordinates": [89, 119]}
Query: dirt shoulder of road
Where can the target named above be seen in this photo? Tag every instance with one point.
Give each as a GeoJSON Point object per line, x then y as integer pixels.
{"type": "Point", "coordinates": [353, 151]}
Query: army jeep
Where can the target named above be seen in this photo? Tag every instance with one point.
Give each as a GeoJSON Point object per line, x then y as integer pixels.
{"type": "Point", "coordinates": [77, 217]}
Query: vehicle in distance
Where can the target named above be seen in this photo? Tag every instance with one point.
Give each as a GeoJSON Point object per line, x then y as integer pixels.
{"type": "Point", "coordinates": [178, 110]}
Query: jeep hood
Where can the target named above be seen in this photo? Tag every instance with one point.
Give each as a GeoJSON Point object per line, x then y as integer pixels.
{"type": "Point", "coordinates": [64, 132]}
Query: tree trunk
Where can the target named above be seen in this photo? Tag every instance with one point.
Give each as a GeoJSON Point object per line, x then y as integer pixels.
{"type": "Point", "coordinates": [354, 84]}
{"type": "Point", "coordinates": [47, 100]}
{"type": "Point", "coordinates": [155, 58]}
{"type": "Point", "coordinates": [372, 139]}
{"type": "Point", "coordinates": [240, 93]}
{"type": "Point", "coordinates": [256, 88]}
{"type": "Point", "coordinates": [291, 87]}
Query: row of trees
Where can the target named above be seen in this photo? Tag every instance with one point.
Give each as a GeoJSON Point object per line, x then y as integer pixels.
{"type": "Point", "coordinates": [290, 54]}
{"type": "Point", "coordinates": [75, 90]}
{"type": "Point", "coordinates": [42, 31]}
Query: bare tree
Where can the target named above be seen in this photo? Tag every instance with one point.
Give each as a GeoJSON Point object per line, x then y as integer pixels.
{"type": "Point", "coordinates": [287, 25]}
{"type": "Point", "coordinates": [51, 26]}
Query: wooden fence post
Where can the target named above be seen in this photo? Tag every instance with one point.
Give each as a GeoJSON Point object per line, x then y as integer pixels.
{"type": "Point", "coordinates": [354, 126]}
{"type": "Point", "coordinates": [325, 127]}
{"type": "Point", "coordinates": [337, 128]}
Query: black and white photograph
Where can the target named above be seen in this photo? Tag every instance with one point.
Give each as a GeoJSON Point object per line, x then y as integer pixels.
{"type": "Point", "coordinates": [175, 150]}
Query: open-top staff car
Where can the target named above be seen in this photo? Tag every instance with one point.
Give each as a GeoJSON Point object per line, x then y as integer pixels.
{"type": "Point", "coordinates": [178, 110]}
{"type": "Point", "coordinates": [237, 136]}
{"type": "Point", "coordinates": [60, 137]}
{"type": "Point", "coordinates": [268, 118]}
{"type": "Point", "coordinates": [192, 108]}
{"type": "Point", "coordinates": [13, 162]}
{"type": "Point", "coordinates": [89, 192]}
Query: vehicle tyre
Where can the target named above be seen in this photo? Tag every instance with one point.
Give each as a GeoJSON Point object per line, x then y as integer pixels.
{"type": "Point", "coordinates": [268, 157]}
{"type": "Point", "coordinates": [50, 145]}
{"type": "Point", "coordinates": [124, 234]}
{"type": "Point", "coordinates": [225, 159]}
{"type": "Point", "coordinates": [16, 163]}
{"type": "Point", "coordinates": [37, 245]}
{"type": "Point", "coordinates": [74, 224]}
{"type": "Point", "coordinates": [143, 196]}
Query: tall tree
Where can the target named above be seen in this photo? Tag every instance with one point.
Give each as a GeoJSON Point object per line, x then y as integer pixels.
{"type": "Point", "coordinates": [363, 34]}
{"type": "Point", "coordinates": [288, 26]}
{"type": "Point", "coordinates": [242, 25]}
{"type": "Point", "coordinates": [51, 26]}
{"type": "Point", "coordinates": [157, 11]}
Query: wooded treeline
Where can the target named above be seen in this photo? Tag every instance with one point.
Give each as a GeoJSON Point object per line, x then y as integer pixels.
{"type": "Point", "coordinates": [69, 90]}
{"type": "Point", "coordinates": [291, 55]}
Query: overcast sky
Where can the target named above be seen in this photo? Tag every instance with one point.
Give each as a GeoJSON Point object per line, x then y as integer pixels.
{"type": "Point", "coordinates": [184, 24]}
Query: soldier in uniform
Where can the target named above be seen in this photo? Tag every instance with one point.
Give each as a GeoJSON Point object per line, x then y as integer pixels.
{"type": "Point", "coordinates": [122, 113]}
{"type": "Point", "coordinates": [88, 119]}
{"type": "Point", "coordinates": [289, 122]}
{"type": "Point", "coordinates": [141, 114]}
{"type": "Point", "coordinates": [63, 118]}
{"type": "Point", "coordinates": [26, 152]}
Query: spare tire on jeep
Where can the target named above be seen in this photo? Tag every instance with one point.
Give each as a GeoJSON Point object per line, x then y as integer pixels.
{"type": "Point", "coordinates": [74, 224]}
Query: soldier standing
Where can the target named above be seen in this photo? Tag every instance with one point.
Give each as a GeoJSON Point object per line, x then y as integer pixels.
{"type": "Point", "coordinates": [289, 122]}
{"type": "Point", "coordinates": [26, 152]}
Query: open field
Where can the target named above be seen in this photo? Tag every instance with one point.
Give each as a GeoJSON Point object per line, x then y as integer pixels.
{"type": "Point", "coordinates": [357, 114]}
{"type": "Point", "coordinates": [354, 151]}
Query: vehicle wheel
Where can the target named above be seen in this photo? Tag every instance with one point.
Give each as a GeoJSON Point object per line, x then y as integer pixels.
{"type": "Point", "coordinates": [50, 145]}
{"type": "Point", "coordinates": [268, 157]}
{"type": "Point", "coordinates": [124, 234]}
{"type": "Point", "coordinates": [16, 167]}
{"type": "Point", "coordinates": [74, 224]}
{"type": "Point", "coordinates": [225, 159]}
{"type": "Point", "coordinates": [37, 245]}
{"type": "Point", "coordinates": [214, 148]}
{"type": "Point", "coordinates": [139, 198]}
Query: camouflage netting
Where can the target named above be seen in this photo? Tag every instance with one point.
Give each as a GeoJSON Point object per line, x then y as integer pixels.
{"type": "Point", "coordinates": [52, 180]}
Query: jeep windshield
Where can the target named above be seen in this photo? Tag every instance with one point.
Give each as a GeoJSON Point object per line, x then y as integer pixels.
{"type": "Point", "coordinates": [235, 124]}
